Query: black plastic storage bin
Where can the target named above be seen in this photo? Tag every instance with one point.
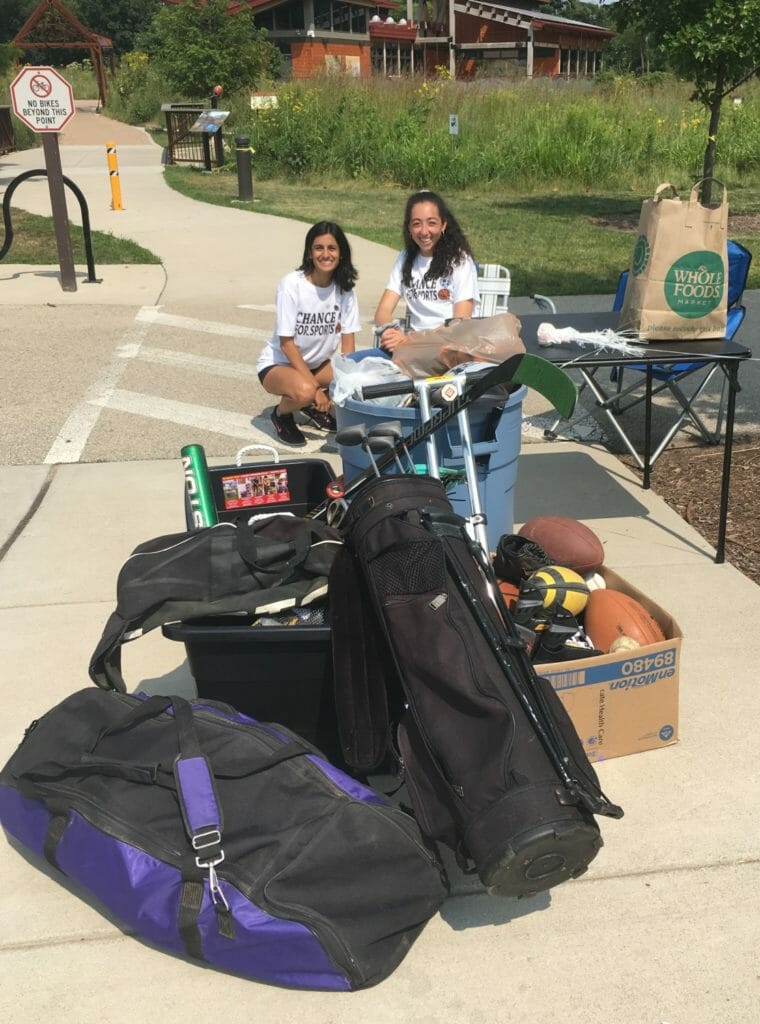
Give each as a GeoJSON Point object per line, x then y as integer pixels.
{"type": "Point", "coordinates": [295, 486]}
{"type": "Point", "coordinates": [272, 673]}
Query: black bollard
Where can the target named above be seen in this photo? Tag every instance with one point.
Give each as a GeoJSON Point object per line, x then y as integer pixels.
{"type": "Point", "coordinates": [244, 172]}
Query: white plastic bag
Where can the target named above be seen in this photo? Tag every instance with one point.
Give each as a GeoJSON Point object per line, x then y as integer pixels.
{"type": "Point", "coordinates": [350, 376]}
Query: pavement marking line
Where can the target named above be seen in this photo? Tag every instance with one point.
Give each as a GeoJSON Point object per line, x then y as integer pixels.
{"type": "Point", "coordinates": [269, 308]}
{"type": "Point", "coordinates": [75, 432]}
{"type": "Point", "coordinates": [207, 364]}
{"type": "Point", "coordinates": [153, 315]}
{"type": "Point", "coordinates": [200, 417]}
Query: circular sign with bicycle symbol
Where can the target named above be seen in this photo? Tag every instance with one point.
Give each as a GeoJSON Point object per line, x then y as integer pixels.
{"type": "Point", "coordinates": [40, 85]}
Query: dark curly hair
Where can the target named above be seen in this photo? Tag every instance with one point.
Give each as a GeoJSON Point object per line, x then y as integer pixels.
{"type": "Point", "coordinates": [345, 273]}
{"type": "Point", "coordinates": [452, 246]}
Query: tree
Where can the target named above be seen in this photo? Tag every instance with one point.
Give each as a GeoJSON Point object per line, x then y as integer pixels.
{"type": "Point", "coordinates": [637, 51]}
{"type": "Point", "coordinates": [119, 20]}
{"type": "Point", "coordinates": [13, 14]}
{"type": "Point", "coordinates": [713, 43]}
{"type": "Point", "coordinates": [577, 10]}
{"type": "Point", "coordinates": [200, 45]}
{"type": "Point", "coordinates": [8, 54]}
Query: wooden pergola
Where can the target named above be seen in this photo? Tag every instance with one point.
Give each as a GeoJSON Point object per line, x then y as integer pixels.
{"type": "Point", "coordinates": [51, 25]}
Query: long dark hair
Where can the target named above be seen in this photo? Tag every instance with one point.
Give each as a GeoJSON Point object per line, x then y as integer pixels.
{"type": "Point", "coordinates": [345, 273]}
{"type": "Point", "coordinates": [450, 248]}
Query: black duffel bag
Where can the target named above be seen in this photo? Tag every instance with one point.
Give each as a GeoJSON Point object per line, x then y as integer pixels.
{"type": "Point", "coordinates": [228, 840]}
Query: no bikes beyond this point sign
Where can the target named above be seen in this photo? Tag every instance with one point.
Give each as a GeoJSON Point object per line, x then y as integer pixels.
{"type": "Point", "coordinates": [42, 99]}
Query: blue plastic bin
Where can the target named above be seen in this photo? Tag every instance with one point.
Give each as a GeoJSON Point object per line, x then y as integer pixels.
{"type": "Point", "coordinates": [495, 423]}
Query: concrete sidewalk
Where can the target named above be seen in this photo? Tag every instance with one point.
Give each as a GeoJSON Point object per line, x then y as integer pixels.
{"type": "Point", "coordinates": [665, 926]}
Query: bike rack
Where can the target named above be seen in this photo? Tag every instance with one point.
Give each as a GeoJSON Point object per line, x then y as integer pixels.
{"type": "Point", "coordinates": [42, 172]}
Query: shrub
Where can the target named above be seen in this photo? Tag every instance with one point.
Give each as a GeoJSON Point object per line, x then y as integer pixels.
{"type": "Point", "coordinates": [200, 45]}
{"type": "Point", "coordinates": [139, 90]}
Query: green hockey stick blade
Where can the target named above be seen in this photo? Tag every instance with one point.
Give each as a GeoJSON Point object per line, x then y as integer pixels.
{"type": "Point", "coordinates": [548, 380]}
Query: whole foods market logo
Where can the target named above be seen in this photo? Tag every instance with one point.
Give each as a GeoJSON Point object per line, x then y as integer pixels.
{"type": "Point", "coordinates": [641, 253]}
{"type": "Point", "coordinates": [694, 284]}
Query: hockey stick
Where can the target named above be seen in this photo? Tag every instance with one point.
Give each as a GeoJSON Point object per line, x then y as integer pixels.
{"type": "Point", "coordinates": [549, 380]}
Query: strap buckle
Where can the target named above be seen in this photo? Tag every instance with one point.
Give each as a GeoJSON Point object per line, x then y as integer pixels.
{"type": "Point", "coordinates": [217, 896]}
{"type": "Point", "coordinates": [210, 837]}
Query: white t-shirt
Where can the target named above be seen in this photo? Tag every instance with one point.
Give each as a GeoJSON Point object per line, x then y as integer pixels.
{"type": "Point", "coordinates": [315, 317]}
{"type": "Point", "coordinates": [430, 303]}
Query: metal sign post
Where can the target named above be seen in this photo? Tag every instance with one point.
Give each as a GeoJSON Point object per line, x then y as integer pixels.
{"type": "Point", "coordinates": [43, 100]}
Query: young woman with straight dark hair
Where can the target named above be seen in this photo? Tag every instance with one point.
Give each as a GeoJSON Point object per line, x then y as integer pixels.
{"type": "Point", "coordinates": [317, 313]}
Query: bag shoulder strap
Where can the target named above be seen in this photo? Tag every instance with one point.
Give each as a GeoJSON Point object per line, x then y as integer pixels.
{"type": "Point", "coordinates": [361, 700]}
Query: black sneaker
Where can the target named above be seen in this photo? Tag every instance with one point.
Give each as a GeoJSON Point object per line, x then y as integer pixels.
{"type": "Point", "coordinates": [318, 419]}
{"type": "Point", "coordinates": [286, 428]}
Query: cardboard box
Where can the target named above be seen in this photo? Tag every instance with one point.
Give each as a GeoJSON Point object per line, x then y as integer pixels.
{"type": "Point", "coordinates": [625, 702]}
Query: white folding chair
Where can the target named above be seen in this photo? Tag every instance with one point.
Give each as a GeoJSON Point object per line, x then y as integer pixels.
{"type": "Point", "coordinates": [493, 284]}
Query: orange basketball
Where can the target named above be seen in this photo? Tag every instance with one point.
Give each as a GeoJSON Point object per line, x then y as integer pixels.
{"type": "Point", "coordinates": [610, 614]}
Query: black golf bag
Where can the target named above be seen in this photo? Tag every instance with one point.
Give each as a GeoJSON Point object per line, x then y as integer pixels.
{"type": "Point", "coordinates": [493, 765]}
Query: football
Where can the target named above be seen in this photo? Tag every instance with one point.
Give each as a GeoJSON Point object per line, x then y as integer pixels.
{"type": "Point", "coordinates": [610, 615]}
{"type": "Point", "coordinates": [558, 588]}
{"type": "Point", "coordinates": [566, 541]}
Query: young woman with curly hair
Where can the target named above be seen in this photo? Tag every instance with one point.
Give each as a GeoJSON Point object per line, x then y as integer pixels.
{"type": "Point", "coordinates": [435, 274]}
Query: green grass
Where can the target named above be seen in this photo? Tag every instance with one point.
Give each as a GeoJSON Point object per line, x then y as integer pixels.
{"type": "Point", "coordinates": [34, 243]}
{"type": "Point", "coordinates": [547, 239]}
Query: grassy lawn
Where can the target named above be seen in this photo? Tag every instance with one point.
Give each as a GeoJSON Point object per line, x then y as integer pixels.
{"type": "Point", "coordinates": [548, 239]}
{"type": "Point", "coordinates": [34, 243]}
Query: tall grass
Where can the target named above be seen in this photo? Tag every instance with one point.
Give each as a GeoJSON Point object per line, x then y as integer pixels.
{"type": "Point", "coordinates": [138, 90]}
{"type": "Point", "coordinates": [616, 134]}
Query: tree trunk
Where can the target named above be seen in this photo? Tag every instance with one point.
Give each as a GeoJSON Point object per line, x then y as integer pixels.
{"type": "Point", "coordinates": [708, 165]}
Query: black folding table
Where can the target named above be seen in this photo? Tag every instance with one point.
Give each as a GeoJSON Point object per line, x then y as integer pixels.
{"type": "Point", "coordinates": [587, 360]}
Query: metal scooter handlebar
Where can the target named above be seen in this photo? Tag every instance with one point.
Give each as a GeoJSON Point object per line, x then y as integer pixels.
{"type": "Point", "coordinates": [400, 387]}
{"type": "Point", "coordinates": [409, 386]}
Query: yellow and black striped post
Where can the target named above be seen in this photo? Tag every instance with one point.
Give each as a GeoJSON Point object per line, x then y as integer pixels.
{"type": "Point", "coordinates": [113, 175]}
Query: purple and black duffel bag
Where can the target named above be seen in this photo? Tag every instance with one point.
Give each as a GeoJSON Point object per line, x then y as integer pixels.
{"type": "Point", "coordinates": [228, 840]}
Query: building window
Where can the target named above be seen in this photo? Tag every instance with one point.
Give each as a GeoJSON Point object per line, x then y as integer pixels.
{"type": "Point", "coordinates": [289, 16]}
{"type": "Point", "coordinates": [341, 14]}
{"type": "Point", "coordinates": [323, 15]}
{"type": "Point", "coordinates": [378, 68]}
{"type": "Point", "coordinates": [336, 16]}
{"type": "Point", "coordinates": [395, 58]}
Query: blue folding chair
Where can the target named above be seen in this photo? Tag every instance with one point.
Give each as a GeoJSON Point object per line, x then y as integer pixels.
{"type": "Point", "coordinates": [671, 376]}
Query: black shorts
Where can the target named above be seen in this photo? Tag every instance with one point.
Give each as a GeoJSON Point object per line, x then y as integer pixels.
{"type": "Point", "coordinates": [265, 371]}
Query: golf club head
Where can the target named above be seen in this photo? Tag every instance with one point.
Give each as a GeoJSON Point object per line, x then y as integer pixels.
{"type": "Point", "coordinates": [351, 436]}
{"type": "Point", "coordinates": [379, 445]}
{"type": "Point", "coordinates": [391, 428]}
